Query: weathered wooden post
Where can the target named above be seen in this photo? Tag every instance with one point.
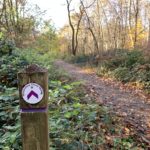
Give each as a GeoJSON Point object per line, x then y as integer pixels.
{"type": "Point", "coordinates": [33, 91]}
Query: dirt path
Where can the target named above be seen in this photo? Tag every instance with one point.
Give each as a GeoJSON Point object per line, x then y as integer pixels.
{"type": "Point", "coordinates": [126, 103]}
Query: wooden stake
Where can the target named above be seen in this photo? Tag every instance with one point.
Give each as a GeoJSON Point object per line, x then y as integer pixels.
{"type": "Point", "coordinates": [33, 91]}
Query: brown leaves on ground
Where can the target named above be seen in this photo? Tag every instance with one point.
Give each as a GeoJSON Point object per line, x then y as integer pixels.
{"type": "Point", "coordinates": [128, 103]}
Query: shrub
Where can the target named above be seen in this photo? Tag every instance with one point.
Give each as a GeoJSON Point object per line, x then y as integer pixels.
{"type": "Point", "coordinates": [82, 59]}
{"type": "Point", "coordinates": [141, 74]}
{"type": "Point", "coordinates": [6, 47]}
{"type": "Point", "coordinates": [134, 57]}
{"type": "Point", "coordinates": [127, 66]}
{"type": "Point", "coordinates": [128, 59]}
{"type": "Point", "coordinates": [10, 120]}
{"type": "Point", "coordinates": [122, 74]}
{"type": "Point", "coordinates": [9, 67]}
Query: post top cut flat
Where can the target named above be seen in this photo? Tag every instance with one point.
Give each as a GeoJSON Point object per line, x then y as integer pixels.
{"type": "Point", "coordinates": [33, 68]}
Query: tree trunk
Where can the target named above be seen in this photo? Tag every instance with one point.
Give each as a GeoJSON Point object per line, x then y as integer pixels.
{"type": "Point", "coordinates": [136, 23]}
{"type": "Point", "coordinates": [148, 44]}
{"type": "Point", "coordinates": [75, 31]}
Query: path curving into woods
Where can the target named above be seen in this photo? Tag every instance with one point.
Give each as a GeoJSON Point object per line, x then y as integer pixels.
{"type": "Point", "coordinates": [127, 103]}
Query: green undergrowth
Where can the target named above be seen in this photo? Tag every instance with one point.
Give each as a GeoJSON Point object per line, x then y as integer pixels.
{"type": "Point", "coordinates": [9, 66]}
{"type": "Point", "coordinates": [10, 133]}
{"type": "Point", "coordinates": [76, 121]}
{"type": "Point", "coordinates": [128, 67]}
{"type": "Point", "coordinates": [79, 58]}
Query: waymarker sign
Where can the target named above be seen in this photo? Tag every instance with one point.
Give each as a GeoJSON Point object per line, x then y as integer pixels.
{"type": "Point", "coordinates": [32, 93]}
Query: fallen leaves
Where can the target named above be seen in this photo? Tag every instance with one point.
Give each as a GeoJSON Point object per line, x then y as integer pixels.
{"type": "Point", "coordinates": [126, 102]}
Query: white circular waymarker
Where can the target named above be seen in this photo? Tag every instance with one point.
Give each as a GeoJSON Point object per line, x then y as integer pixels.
{"type": "Point", "coordinates": [32, 93]}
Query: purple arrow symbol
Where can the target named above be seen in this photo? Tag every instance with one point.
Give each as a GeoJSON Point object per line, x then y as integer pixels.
{"type": "Point", "coordinates": [32, 93]}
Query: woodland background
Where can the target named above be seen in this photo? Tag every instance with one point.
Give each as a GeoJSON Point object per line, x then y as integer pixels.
{"type": "Point", "coordinates": [111, 36]}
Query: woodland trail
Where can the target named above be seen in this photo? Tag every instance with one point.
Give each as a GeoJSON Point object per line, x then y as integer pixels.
{"type": "Point", "coordinates": [127, 103]}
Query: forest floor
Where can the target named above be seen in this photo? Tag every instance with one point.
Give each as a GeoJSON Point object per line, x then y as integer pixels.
{"type": "Point", "coordinates": [132, 105]}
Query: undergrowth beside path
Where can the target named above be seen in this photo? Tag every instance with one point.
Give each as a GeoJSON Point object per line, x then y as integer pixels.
{"type": "Point", "coordinates": [128, 67]}
{"type": "Point", "coordinates": [133, 109]}
{"type": "Point", "coordinates": [76, 121]}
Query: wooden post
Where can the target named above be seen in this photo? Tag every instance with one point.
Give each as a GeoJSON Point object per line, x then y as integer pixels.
{"type": "Point", "coordinates": [33, 92]}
